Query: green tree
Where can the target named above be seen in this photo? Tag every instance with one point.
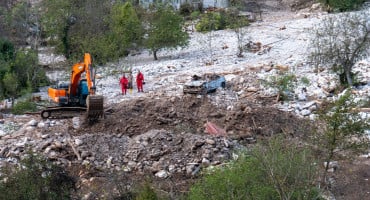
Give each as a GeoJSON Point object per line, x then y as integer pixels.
{"type": "Point", "coordinates": [57, 18]}
{"type": "Point", "coordinates": [126, 26]}
{"type": "Point", "coordinates": [340, 41]}
{"type": "Point", "coordinates": [11, 86]}
{"type": "Point", "coordinates": [165, 30]}
{"type": "Point", "coordinates": [25, 67]}
{"type": "Point", "coordinates": [277, 170]}
{"type": "Point", "coordinates": [343, 129]}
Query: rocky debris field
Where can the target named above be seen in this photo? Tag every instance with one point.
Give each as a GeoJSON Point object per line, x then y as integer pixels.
{"type": "Point", "coordinates": [166, 135]}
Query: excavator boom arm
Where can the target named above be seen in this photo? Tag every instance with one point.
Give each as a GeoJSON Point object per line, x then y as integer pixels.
{"type": "Point", "coordinates": [77, 70]}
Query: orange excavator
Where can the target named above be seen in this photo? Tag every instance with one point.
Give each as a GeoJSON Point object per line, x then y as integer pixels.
{"type": "Point", "coordinates": [78, 95]}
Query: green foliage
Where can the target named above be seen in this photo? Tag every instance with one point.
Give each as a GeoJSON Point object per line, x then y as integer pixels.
{"type": "Point", "coordinates": [343, 128]}
{"type": "Point", "coordinates": [21, 74]}
{"type": "Point", "coordinates": [165, 30]}
{"type": "Point", "coordinates": [10, 84]}
{"type": "Point", "coordinates": [146, 192]}
{"type": "Point", "coordinates": [284, 84]}
{"type": "Point", "coordinates": [194, 15]}
{"type": "Point", "coordinates": [342, 132]}
{"type": "Point", "coordinates": [221, 20]}
{"type": "Point", "coordinates": [108, 31]}
{"type": "Point", "coordinates": [35, 178]}
{"type": "Point", "coordinates": [26, 70]}
{"type": "Point", "coordinates": [126, 25]}
{"type": "Point", "coordinates": [7, 50]}
{"type": "Point", "coordinates": [343, 5]}
{"type": "Point", "coordinates": [305, 80]}
{"type": "Point", "coordinates": [56, 21]}
{"type": "Point", "coordinates": [211, 21]}
{"type": "Point", "coordinates": [24, 106]}
{"type": "Point", "coordinates": [274, 171]}
{"type": "Point", "coordinates": [186, 9]}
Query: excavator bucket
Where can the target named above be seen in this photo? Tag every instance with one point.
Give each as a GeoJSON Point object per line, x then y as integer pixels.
{"type": "Point", "coordinates": [95, 107]}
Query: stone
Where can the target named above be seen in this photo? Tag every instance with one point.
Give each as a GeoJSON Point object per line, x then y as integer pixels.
{"type": "Point", "coordinates": [78, 142]}
{"type": "Point", "coordinates": [33, 122]}
{"type": "Point", "coordinates": [210, 141]}
{"type": "Point", "coordinates": [205, 162]}
{"type": "Point", "coordinates": [162, 174]}
{"type": "Point", "coordinates": [305, 112]}
{"type": "Point", "coordinates": [41, 125]}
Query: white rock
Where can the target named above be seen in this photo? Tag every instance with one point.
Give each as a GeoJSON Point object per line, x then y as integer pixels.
{"type": "Point", "coordinates": [2, 133]}
{"type": "Point", "coordinates": [41, 125]}
{"type": "Point", "coordinates": [162, 174]}
{"type": "Point", "coordinates": [305, 112]}
{"type": "Point", "coordinates": [33, 122]}
{"type": "Point", "coordinates": [76, 122]}
{"type": "Point", "coordinates": [205, 162]}
{"type": "Point", "coordinates": [78, 142]}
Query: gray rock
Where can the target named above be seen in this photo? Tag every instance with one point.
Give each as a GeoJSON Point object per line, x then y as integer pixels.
{"type": "Point", "coordinates": [305, 112]}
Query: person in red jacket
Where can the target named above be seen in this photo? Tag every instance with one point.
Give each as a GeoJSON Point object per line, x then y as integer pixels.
{"type": "Point", "coordinates": [140, 81]}
{"type": "Point", "coordinates": [124, 83]}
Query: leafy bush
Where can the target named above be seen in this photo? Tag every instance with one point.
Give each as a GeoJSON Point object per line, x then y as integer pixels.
{"type": "Point", "coordinates": [221, 20]}
{"type": "Point", "coordinates": [210, 21]}
{"type": "Point", "coordinates": [24, 106]}
{"type": "Point", "coordinates": [35, 178]}
{"type": "Point", "coordinates": [186, 9]}
{"type": "Point", "coordinates": [343, 5]}
{"type": "Point", "coordinates": [146, 193]}
{"type": "Point", "coordinates": [284, 84]}
{"type": "Point", "coordinates": [274, 171]}
{"type": "Point", "coordinates": [194, 15]}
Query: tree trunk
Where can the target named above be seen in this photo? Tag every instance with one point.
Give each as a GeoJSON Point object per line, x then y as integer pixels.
{"type": "Point", "coordinates": [347, 72]}
{"type": "Point", "coordinates": [155, 55]}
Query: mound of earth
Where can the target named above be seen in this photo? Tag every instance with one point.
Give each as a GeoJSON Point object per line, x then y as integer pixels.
{"type": "Point", "coordinates": [189, 114]}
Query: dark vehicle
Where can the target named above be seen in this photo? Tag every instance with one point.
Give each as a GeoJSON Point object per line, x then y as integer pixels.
{"type": "Point", "coordinates": [206, 84]}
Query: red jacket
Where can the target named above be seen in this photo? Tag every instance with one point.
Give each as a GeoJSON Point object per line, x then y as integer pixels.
{"type": "Point", "coordinates": [123, 81]}
{"type": "Point", "coordinates": [140, 78]}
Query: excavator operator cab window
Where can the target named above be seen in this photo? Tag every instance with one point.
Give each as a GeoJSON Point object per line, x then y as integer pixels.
{"type": "Point", "coordinates": [63, 85]}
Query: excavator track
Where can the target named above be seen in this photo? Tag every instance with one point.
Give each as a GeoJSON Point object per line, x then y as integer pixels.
{"type": "Point", "coordinates": [94, 110]}
{"type": "Point", "coordinates": [62, 112]}
{"type": "Point", "coordinates": [95, 107]}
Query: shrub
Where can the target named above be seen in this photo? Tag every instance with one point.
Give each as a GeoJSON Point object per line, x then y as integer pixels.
{"type": "Point", "coordinates": [24, 106]}
{"type": "Point", "coordinates": [343, 5]}
{"type": "Point", "coordinates": [344, 129]}
{"type": "Point", "coordinates": [186, 9]}
{"type": "Point", "coordinates": [272, 171]}
{"type": "Point", "coordinates": [195, 15]}
{"type": "Point", "coordinates": [283, 83]}
{"type": "Point", "coordinates": [35, 178]}
{"type": "Point", "coordinates": [210, 21]}
{"type": "Point", "coordinates": [146, 193]}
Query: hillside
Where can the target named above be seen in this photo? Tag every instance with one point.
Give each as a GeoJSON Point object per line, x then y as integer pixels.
{"type": "Point", "coordinates": [161, 133]}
